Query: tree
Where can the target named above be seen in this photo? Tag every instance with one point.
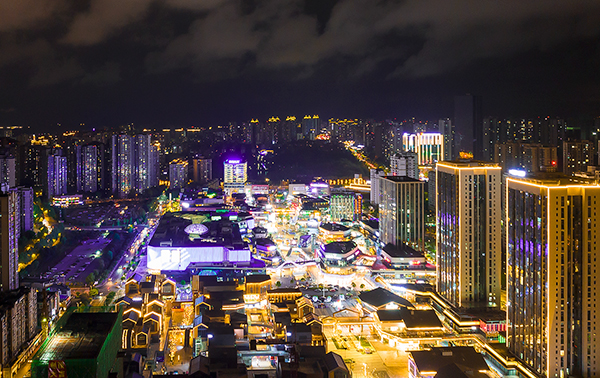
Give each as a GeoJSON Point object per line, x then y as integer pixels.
{"type": "Point", "coordinates": [93, 292]}
{"type": "Point", "coordinates": [109, 298]}
{"type": "Point", "coordinates": [90, 279]}
{"type": "Point", "coordinates": [278, 284]}
{"type": "Point", "coordinates": [85, 299]}
{"type": "Point", "coordinates": [362, 286]}
{"type": "Point", "coordinates": [353, 284]}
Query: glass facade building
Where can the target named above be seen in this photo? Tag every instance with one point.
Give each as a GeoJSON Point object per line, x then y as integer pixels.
{"type": "Point", "coordinates": [552, 274]}
{"type": "Point", "coordinates": [402, 211]}
{"type": "Point", "coordinates": [468, 233]}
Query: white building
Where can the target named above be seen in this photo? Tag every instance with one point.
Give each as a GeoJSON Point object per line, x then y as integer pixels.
{"type": "Point", "coordinates": [428, 146]}
{"type": "Point", "coordinates": [236, 175]}
{"type": "Point", "coordinates": [468, 233]}
{"type": "Point", "coordinates": [375, 174]}
{"type": "Point", "coordinates": [294, 189]}
{"type": "Point", "coordinates": [405, 164]}
{"type": "Point", "coordinates": [553, 262]}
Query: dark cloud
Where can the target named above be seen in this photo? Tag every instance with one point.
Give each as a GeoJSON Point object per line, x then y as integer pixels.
{"type": "Point", "coordinates": [407, 47]}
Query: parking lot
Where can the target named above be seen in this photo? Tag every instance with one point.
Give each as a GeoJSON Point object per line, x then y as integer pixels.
{"type": "Point", "coordinates": [77, 265]}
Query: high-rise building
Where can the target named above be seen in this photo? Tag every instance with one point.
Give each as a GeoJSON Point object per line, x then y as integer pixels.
{"type": "Point", "coordinates": [429, 147]}
{"type": "Point", "coordinates": [8, 172]}
{"type": "Point", "coordinates": [236, 175]}
{"type": "Point", "coordinates": [431, 190]}
{"type": "Point", "coordinates": [56, 173]}
{"type": "Point", "coordinates": [154, 165]}
{"type": "Point", "coordinates": [135, 164]}
{"type": "Point", "coordinates": [178, 173]}
{"type": "Point", "coordinates": [122, 165]}
{"type": "Point", "coordinates": [375, 174]}
{"type": "Point", "coordinates": [402, 211]}
{"type": "Point", "coordinates": [531, 157]}
{"type": "Point", "coordinates": [311, 126]}
{"type": "Point", "coordinates": [10, 230]}
{"type": "Point", "coordinates": [468, 225]}
{"type": "Point", "coordinates": [577, 156]}
{"type": "Point", "coordinates": [445, 128]}
{"type": "Point", "coordinates": [141, 162]}
{"type": "Point", "coordinates": [31, 166]}
{"type": "Point", "coordinates": [405, 163]}
{"type": "Point", "coordinates": [25, 207]}
{"type": "Point", "coordinates": [468, 125]}
{"type": "Point", "coordinates": [553, 260]}
{"type": "Point", "coordinates": [345, 205]}
{"type": "Point", "coordinates": [88, 170]}
{"type": "Point", "coordinates": [201, 170]}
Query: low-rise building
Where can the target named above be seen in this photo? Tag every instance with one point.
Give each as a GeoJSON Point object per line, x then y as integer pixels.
{"type": "Point", "coordinates": [464, 361]}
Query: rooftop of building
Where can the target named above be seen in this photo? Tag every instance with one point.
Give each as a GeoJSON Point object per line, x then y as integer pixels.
{"type": "Point", "coordinates": [219, 231]}
{"type": "Point", "coordinates": [334, 361]}
{"type": "Point", "coordinates": [401, 250]}
{"type": "Point", "coordinates": [551, 179]}
{"type": "Point", "coordinates": [464, 163]}
{"type": "Point", "coordinates": [257, 278]}
{"type": "Point", "coordinates": [373, 223]}
{"type": "Point", "coordinates": [340, 247]}
{"type": "Point", "coordinates": [265, 242]}
{"type": "Point", "coordinates": [82, 337]}
{"type": "Point", "coordinates": [413, 319]}
{"type": "Point", "coordinates": [401, 179]}
{"type": "Point", "coordinates": [437, 358]}
{"type": "Point", "coordinates": [8, 298]}
{"type": "Point", "coordinates": [380, 297]}
{"type": "Point", "coordinates": [334, 227]}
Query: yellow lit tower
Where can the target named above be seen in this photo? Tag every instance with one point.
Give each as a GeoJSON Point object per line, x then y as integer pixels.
{"type": "Point", "coordinates": [552, 273]}
{"type": "Point", "coordinates": [468, 233]}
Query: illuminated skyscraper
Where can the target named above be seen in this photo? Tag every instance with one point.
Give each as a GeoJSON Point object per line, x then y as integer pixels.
{"type": "Point", "coordinates": [90, 170]}
{"type": "Point", "coordinates": [135, 164]}
{"type": "Point", "coordinates": [142, 165]}
{"type": "Point", "coordinates": [178, 173]}
{"type": "Point", "coordinates": [201, 170]}
{"type": "Point", "coordinates": [56, 173]}
{"type": "Point", "coordinates": [25, 207]}
{"type": "Point", "coordinates": [122, 165]}
{"type": "Point", "coordinates": [468, 233]}
{"type": "Point", "coordinates": [236, 175]}
{"type": "Point", "coordinates": [154, 165]}
{"type": "Point", "coordinates": [429, 147]}
{"type": "Point", "coordinates": [553, 262]}
{"type": "Point", "coordinates": [10, 230]}
{"type": "Point", "coordinates": [402, 211]}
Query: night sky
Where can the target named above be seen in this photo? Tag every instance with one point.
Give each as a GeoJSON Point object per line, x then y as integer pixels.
{"type": "Point", "coordinates": [201, 62]}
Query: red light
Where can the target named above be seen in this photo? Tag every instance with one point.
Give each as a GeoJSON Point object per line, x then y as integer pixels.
{"type": "Point", "coordinates": [415, 262]}
{"type": "Point", "coordinates": [553, 162]}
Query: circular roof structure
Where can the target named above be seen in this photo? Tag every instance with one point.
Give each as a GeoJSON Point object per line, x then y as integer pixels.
{"type": "Point", "coordinates": [198, 229]}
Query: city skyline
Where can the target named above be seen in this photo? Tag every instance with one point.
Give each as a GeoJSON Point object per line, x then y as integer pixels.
{"type": "Point", "coordinates": [181, 63]}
